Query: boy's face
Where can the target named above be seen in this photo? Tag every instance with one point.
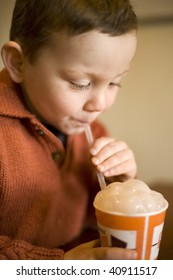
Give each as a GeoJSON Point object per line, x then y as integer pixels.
{"type": "Point", "coordinates": [76, 78]}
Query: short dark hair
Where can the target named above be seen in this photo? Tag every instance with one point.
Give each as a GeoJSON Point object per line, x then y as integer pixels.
{"type": "Point", "coordinates": [35, 20]}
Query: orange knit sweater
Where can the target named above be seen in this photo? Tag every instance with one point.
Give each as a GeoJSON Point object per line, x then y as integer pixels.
{"type": "Point", "coordinates": [46, 191]}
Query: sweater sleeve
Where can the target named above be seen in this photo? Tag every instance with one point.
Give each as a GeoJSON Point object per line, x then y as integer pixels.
{"type": "Point", "coordinates": [21, 250]}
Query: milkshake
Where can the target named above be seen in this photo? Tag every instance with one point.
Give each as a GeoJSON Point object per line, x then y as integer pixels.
{"type": "Point", "coordinates": [131, 215]}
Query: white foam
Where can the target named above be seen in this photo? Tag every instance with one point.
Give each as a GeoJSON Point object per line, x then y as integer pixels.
{"type": "Point", "coordinates": [130, 197]}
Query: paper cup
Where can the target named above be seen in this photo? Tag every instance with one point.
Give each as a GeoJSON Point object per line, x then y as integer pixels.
{"type": "Point", "coordinates": [141, 232]}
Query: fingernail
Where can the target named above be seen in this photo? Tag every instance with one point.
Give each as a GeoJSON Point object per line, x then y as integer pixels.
{"type": "Point", "coordinates": [93, 152]}
{"type": "Point", "coordinates": [95, 160]}
{"type": "Point", "coordinates": [101, 168]}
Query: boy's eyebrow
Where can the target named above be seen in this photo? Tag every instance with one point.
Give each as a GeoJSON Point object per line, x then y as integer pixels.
{"type": "Point", "coordinates": [74, 72]}
{"type": "Point", "coordinates": [119, 75]}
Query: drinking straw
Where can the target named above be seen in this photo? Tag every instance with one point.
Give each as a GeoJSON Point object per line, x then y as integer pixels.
{"type": "Point", "coordinates": [90, 140]}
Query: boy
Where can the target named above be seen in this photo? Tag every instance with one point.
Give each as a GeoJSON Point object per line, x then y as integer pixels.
{"type": "Point", "coordinates": [63, 67]}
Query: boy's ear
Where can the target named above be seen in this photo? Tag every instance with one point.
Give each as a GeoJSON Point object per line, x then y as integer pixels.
{"type": "Point", "coordinates": [13, 58]}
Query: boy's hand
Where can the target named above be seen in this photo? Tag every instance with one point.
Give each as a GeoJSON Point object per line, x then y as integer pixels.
{"type": "Point", "coordinates": [89, 251]}
{"type": "Point", "coordinates": [113, 158]}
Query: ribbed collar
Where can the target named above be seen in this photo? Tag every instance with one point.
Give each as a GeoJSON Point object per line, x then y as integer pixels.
{"type": "Point", "coordinates": [12, 101]}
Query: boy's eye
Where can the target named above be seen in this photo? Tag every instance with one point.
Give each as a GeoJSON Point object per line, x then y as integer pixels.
{"type": "Point", "coordinates": [77, 86]}
{"type": "Point", "coordinates": [115, 84]}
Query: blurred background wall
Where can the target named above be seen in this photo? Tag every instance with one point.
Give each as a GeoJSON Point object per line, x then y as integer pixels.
{"type": "Point", "coordinates": [142, 114]}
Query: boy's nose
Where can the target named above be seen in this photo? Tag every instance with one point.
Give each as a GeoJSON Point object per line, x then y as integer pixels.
{"type": "Point", "coordinates": [97, 103]}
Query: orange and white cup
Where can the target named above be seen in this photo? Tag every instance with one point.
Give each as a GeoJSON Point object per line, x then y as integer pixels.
{"type": "Point", "coordinates": [141, 232]}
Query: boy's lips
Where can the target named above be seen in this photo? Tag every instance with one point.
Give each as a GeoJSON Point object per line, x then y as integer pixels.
{"type": "Point", "coordinates": [86, 119]}
{"type": "Point", "coordinates": [83, 122]}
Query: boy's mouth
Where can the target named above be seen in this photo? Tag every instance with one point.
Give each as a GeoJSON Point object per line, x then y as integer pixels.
{"type": "Point", "coordinates": [83, 123]}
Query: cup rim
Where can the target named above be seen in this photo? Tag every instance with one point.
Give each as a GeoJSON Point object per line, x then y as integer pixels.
{"type": "Point", "coordinates": [135, 214]}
